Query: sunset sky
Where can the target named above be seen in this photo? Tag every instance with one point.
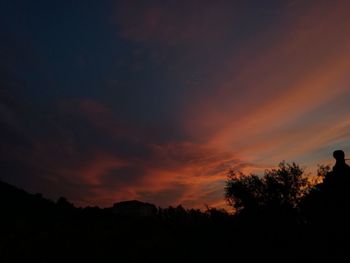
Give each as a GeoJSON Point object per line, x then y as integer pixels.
{"type": "Point", "coordinates": [104, 101]}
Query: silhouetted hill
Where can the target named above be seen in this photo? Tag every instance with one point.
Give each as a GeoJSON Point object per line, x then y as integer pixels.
{"type": "Point", "coordinates": [19, 202]}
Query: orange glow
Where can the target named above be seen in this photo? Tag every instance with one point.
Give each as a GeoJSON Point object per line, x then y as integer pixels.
{"type": "Point", "coordinates": [259, 112]}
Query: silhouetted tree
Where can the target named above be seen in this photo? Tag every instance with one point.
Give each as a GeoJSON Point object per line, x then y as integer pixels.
{"type": "Point", "coordinates": [315, 205]}
{"type": "Point", "coordinates": [281, 188]}
{"type": "Point", "coordinates": [323, 170]}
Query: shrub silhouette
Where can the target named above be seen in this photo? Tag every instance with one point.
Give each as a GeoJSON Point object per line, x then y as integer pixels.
{"type": "Point", "coordinates": [277, 189]}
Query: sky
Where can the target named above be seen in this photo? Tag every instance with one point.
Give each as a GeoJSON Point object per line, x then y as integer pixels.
{"type": "Point", "coordinates": [105, 101]}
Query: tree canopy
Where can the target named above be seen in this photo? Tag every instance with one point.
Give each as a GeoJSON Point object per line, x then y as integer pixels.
{"type": "Point", "coordinates": [278, 188]}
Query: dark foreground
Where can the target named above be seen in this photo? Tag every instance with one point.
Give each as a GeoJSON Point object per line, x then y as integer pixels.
{"type": "Point", "coordinates": [34, 229]}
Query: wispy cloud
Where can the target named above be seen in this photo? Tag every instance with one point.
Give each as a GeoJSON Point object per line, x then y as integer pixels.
{"type": "Point", "coordinates": [200, 88]}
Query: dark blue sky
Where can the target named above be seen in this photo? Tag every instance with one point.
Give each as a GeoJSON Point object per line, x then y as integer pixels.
{"type": "Point", "coordinates": [109, 100]}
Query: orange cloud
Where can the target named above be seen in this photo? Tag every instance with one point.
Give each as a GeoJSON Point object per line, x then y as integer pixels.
{"type": "Point", "coordinates": [280, 91]}
{"type": "Point", "coordinates": [91, 171]}
{"type": "Point", "coordinates": [267, 102]}
{"type": "Point", "coordinates": [257, 110]}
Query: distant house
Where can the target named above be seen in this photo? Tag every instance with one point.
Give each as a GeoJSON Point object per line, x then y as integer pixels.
{"type": "Point", "coordinates": [134, 208]}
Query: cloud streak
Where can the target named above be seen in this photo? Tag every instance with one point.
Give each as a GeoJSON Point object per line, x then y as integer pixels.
{"type": "Point", "coordinates": [195, 89]}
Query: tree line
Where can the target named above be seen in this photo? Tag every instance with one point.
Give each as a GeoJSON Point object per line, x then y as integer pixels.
{"type": "Point", "coordinates": [281, 214]}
